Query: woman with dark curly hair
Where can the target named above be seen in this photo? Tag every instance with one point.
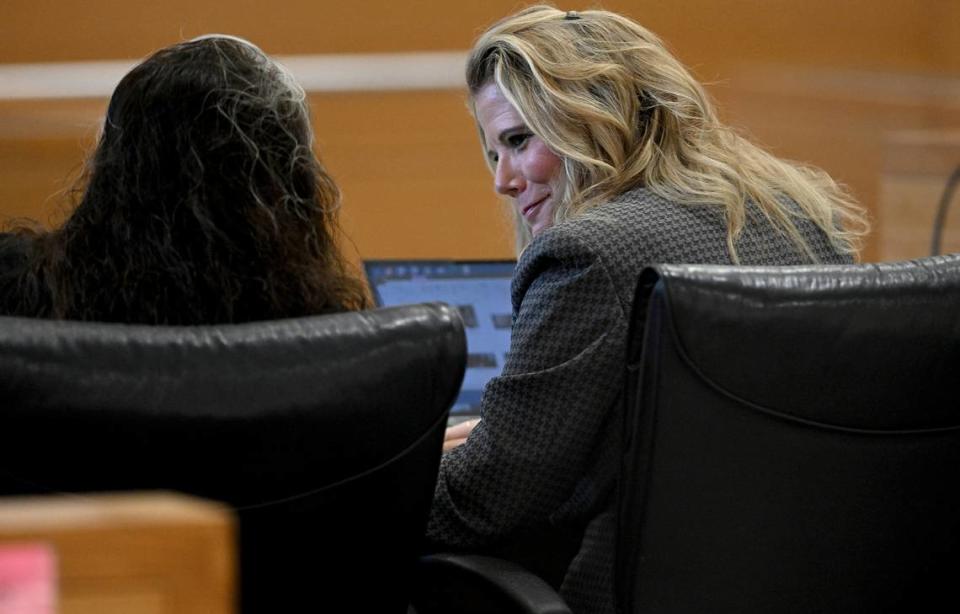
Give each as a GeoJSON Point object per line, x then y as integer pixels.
{"type": "Point", "coordinates": [202, 203]}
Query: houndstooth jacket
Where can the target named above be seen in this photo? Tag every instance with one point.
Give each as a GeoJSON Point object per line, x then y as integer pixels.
{"type": "Point", "coordinates": [535, 479]}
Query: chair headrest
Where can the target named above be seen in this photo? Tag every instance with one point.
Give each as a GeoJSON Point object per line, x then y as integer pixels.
{"type": "Point", "coordinates": [265, 402]}
{"type": "Point", "coordinates": [827, 343]}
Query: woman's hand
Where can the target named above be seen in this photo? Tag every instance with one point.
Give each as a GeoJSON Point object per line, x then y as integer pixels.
{"type": "Point", "coordinates": [457, 434]}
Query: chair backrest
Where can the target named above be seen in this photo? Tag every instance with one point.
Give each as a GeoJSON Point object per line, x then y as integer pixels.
{"type": "Point", "coordinates": [323, 434]}
{"type": "Point", "coordinates": [794, 440]}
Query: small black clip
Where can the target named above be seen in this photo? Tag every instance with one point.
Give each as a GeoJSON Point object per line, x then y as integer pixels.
{"type": "Point", "coordinates": [571, 15]}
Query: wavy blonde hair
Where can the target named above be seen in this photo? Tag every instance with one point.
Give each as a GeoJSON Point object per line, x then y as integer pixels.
{"type": "Point", "coordinates": [606, 96]}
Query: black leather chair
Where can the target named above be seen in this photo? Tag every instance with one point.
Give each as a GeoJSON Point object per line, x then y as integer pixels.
{"type": "Point", "coordinates": [792, 445]}
{"type": "Point", "coordinates": [322, 433]}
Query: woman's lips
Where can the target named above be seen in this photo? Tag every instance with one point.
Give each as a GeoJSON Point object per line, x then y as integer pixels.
{"type": "Point", "coordinates": [531, 209]}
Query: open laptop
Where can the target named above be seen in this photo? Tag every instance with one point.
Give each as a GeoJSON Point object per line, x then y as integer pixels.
{"type": "Point", "coordinates": [479, 289]}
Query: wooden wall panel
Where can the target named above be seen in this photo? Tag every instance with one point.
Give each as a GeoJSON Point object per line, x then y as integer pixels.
{"type": "Point", "coordinates": [36, 175]}
{"type": "Point", "coordinates": [840, 121]}
{"type": "Point", "coordinates": [818, 81]}
{"type": "Point", "coordinates": [413, 178]}
{"type": "Point", "coordinates": [130, 553]}
{"type": "Point", "coordinates": [917, 165]}
{"type": "Point", "coordinates": [875, 34]}
{"type": "Point", "coordinates": [42, 148]}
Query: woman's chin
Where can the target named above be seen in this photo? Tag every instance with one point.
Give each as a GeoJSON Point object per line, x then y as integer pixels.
{"type": "Point", "coordinates": [537, 227]}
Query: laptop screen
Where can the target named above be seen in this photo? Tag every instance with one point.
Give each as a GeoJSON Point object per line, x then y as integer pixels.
{"type": "Point", "coordinates": [480, 290]}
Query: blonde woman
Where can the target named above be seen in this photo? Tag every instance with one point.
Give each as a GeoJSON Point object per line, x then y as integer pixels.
{"type": "Point", "coordinates": [613, 159]}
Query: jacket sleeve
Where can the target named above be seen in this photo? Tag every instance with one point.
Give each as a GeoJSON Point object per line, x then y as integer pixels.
{"type": "Point", "coordinates": [541, 419]}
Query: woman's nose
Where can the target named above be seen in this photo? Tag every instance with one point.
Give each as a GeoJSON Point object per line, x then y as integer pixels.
{"type": "Point", "coordinates": [506, 180]}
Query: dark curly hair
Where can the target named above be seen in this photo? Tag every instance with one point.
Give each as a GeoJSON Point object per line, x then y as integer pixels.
{"type": "Point", "coordinates": [202, 203]}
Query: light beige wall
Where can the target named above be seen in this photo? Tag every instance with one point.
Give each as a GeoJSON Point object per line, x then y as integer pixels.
{"type": "Point", "coordinates": [820, 81]}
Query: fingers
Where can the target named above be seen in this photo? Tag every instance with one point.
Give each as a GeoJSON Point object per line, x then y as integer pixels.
{"type": "Point", "coordinates": [462, 429]}
{"type": "Point", "coordinates": [458, 433]}
{"type": "Point", "coordinates": [449, 444]}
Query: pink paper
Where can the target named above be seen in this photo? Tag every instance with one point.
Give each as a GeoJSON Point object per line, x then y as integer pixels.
{"type": "Point", "coordinates": [28, 579]}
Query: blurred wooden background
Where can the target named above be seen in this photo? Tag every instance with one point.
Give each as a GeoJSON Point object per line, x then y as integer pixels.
{"type": "Point", "coordinates": [119, 553]}
{"type": "Point", "coordinates": [836, 84]}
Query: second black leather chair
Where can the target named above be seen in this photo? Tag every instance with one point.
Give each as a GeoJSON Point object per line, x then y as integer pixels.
{"type": "Point", "coordinates": [792, 445]}
{"type": "Point", "coordinates": [795, 444]}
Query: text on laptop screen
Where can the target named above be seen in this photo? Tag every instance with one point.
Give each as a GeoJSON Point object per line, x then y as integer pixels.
{"type": "Point", "coordinates": [481, 293]}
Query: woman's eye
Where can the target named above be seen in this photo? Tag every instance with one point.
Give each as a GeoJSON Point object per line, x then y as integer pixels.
{"type": "Point", "coordinates": [518, 140]}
